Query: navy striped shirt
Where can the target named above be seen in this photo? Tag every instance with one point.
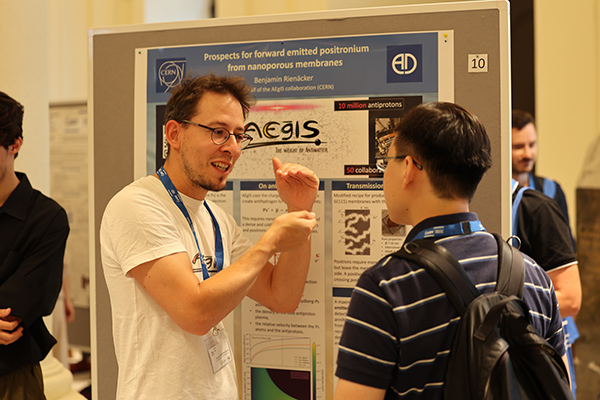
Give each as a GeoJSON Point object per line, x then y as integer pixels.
{"type": "Point", "coordinates": [400, 324]}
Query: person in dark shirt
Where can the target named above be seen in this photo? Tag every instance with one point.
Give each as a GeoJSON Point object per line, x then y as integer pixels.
{"type": "Point", "coordinates": [544, 236]}
{"type": "Point", "coordinates": [524, 155]}
{"type": "Point", "coordinates": [543, 233]}
{"type": "Point", "coordinates": [33, 235]}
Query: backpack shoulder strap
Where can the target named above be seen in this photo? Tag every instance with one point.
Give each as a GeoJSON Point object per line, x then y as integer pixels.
{"type": "Point", "coordinates": [511, 269]}
{"type": "Point", "coordinates": [549, 188]}
{"type": "Point", "coordinates": [515, 208]}
{"type": "Point", "coordinates": [444, 268]}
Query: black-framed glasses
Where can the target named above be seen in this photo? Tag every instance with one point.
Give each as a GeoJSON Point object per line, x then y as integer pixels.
{"type": "Point", "coordinates": [381, 162]}
{"type": "Point", "coordinates": [221, 135]}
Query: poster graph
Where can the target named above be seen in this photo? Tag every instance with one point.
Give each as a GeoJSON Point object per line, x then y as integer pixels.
{"type": "Point", "coordinates": [281, 367]}
{"type": "Point", "coordinates": [279, 351]}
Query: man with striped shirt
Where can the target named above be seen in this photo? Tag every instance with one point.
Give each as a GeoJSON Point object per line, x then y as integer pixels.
{"type": "Point", "coordinates": [400, 324]}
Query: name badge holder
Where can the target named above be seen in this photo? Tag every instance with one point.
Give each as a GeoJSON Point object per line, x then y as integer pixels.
{"type": "Point", "coordinates": [217, 347]}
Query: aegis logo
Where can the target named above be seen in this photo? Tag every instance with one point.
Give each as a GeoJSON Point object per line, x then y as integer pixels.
{"type": "Point", "coordinates": [405, 63]}
{"type": "Point", "coordinates": [169, 72]}
{"type": "Point", "coordinates": [284, 132]}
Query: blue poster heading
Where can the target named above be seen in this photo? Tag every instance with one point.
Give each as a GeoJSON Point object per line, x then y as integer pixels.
{"type": "Point", "coordinates": [325, 67]}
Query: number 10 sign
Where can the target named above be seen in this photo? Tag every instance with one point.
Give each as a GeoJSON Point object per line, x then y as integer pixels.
{"type": "Point", "coordinates": [478, 63]}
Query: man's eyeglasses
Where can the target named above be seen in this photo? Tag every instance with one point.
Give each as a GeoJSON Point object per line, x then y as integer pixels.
{"type": "Point", "coordinates": [382, 161]}
{"type": "Point", "coordinates": [221, 135]}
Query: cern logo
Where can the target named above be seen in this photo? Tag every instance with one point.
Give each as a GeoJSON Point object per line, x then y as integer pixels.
{"type": "Point", "coordinates": [170, 73]}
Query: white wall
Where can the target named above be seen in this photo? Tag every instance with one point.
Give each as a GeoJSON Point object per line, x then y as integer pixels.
{"type": "Point", "coordinates": [567, 81]}
{"type": "Point", "coordinates": [67, 45]}
{"type": "Point", "coordinates": [24, 77]}
{"type": "Point", "coordinates": [175, 10]}
{"type": "Point", "coordinates": [237, 8]}
{"type": "Point", "coordinates": [70, 20]}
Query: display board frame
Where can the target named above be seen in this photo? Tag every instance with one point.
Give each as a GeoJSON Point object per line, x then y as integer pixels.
{"type": "Point", "coordinates": [480, 28]}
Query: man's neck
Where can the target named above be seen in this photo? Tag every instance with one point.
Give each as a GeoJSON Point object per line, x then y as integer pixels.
{"type": "Point", "coordinates": [522, 178]}
{"type": "Point", "coordinates": [434, 207]}
{"type": "Point", "coordinates": [7, 185]}
{"type": "Point", "coordinates": [182, 184]}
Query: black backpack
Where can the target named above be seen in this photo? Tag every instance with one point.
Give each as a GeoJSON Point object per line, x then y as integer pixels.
{"type": "Point", "coordinates": [497, 353]}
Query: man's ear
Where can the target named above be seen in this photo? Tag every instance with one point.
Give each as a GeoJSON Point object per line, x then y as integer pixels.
{"type": "Point", "coordinates": [173, 132]}
{"type": "Point", "coordinates": [16, 146]}
{"type": "Point", "coordinates": [410, 170]}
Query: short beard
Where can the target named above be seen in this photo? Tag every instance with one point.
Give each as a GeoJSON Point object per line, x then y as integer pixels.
{"type": "Point", "coordinates": [199, 181]}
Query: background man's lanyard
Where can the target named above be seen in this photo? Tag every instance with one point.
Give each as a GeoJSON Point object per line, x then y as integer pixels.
{"type": "Point", "coordinates": [460, 228]}
{"type": "Point", "coordinates": [166, 181]}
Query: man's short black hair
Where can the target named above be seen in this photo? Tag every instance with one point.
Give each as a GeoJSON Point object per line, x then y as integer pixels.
{"type": "Point", "coordinates": [450, 143]}
{"type": "Point", "coordinates": [11, 120]}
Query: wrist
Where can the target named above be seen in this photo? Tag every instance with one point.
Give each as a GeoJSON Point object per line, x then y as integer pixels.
{"type": "Point", "coordinates": [265, 245]}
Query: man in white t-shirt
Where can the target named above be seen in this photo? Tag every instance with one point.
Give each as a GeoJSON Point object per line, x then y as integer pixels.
{"type": "Point", "coordinates": [176, 265]}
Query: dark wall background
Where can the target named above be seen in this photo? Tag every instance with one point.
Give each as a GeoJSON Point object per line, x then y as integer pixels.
{"type": "Point", "coordinates": [522, 55]}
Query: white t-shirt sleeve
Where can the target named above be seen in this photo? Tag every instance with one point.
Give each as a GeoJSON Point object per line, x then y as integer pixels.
{"type": "Point", "coordinates": [136, 228]}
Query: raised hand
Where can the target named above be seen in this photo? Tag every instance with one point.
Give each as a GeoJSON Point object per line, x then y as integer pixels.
{"type": "Point", "coordinates": [290, 231]}
{"type": "Point", "coordinates": [297, 185]}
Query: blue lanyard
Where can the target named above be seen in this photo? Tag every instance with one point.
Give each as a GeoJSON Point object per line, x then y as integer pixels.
{"type": "Point", "coordinates": [460, 228]}
{"type": "Point", "coordinates": [172, 190]}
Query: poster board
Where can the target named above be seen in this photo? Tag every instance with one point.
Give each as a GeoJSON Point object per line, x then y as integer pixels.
{"type": "Point", "coordinates": [479, 31]}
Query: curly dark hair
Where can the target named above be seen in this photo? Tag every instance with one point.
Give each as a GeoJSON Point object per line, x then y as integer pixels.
{"type": "Point", "coordinates": [185, 97]}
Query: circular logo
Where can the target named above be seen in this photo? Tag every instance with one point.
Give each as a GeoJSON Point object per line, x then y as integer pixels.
{"type": "Point", "coordinates": [401, 64]}
{"type": "Point", "coordinates": [170, 74]}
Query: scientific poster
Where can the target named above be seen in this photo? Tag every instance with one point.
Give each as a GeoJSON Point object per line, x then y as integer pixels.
{"type": "Point", "coordinates": [330, 104]}
{"type": "Point", "coordinates": [69, 182]}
